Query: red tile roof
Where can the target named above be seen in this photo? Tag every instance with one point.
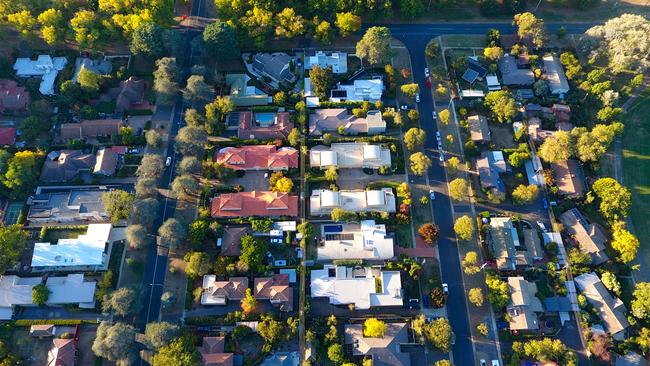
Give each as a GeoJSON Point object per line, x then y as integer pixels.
{"type": "Point", "coordinates": [12, 96]}
{"type": "Point", "coordinates": [7, 135]}
{"type": "Point", "coordinates": [63, 352]}
{"type": "Point", "coordinates": [119, 150]}
{"type": "Point", "coordinates": [212, 352]}
{"type": "Point", "coordinates": [276, 289]}
{"type": "Point", "coordinates": [279, 130]}
{"type": "Point", "coordinates": [258, 157]}
{"type": "Point", "coordinates": [255, 203]}
{"type": "Point", "coordinates": [90, 128]}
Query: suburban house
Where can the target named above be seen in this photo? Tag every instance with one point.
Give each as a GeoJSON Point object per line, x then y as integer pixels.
{"type": "Point", "coordinates": [65, 165]}
{"type": "Point", "coordinates": [261, 126]}
{"type": "Point", "coordinates": [611, 309]}
{"type": "Point", "coordinates": [99, 67]}
{"type": "Point", "coordinates": [45, 67]}
{"type": "Point", "coordinates": [361, 287]}
{"type": "Point", "coordinates": [13, 98]}
{"type": "Point", "coordinates": [512, 74]}
{"type": "Point", "coordinates": [554, 71]}
{"type": "Point", "coordinates": [338, 61]}
{"type": "Point", "coordinates": [479, 131]}
{"type": "Point", "coordinates": [507, 247]}
{"type": "Point", "coordinates": [631, 359]}
{"type": "Point", "coordinates": [350, 155]}
{"type": "Point", "coordinates": [366, 240]}
{"type": "Point", "coordinates": [89, 251]}
{"type": "Point", "coordinates": [131, 94]}
{"type": "Point", "coordinates": [70, 205]}
{"type": "Point", "coordinates": [219, 292]}
{"type": "Point", "coordinates": [244, 95]}
{"type": "Point", "coordinates": [105, 162]}
{"type": "Point", "coordinates": [383, 351]}
{"type": "Point", "coordinates": [90, 129]}
{"type": "Point", "coordinates": [62, 353]}
{"type": "Point", "coordinates": [276, 66]}
{"type": "Point", "coordinates": [45, 330]}
{"type": "Point", "coordinates": [231, 240]}
{"type": "Point", "coordinates": [493, 83]}
{"type": "Point", "coordinates": [212, 352]}
{"type": "Point", "coordinates": [475, 71]}
{"type": "Point", "coordinates": [282, 359]}
{"type": "Point", "coordinates": [323, 201]}
{"type": "Point", "coordinates": [330, 120]}
{"type": "Point", "coordinates": [589, 236]}
{"type": "Point", "coordinates": [562, 113]}
{"type": "Point", "coordinates": [524, 307]}
{"type": "Point", "coordinates": [72, 289]}
{"type": "Point", "coordinates": [255, 203]}
{"type": "Point", "coordinates": [7, 135]}
{"type": "Point", "coordinates": [490, 166]}
{"type": "Point", "coordinates": [258, 157]}
{"type": "Point", "coordinates": [568, 178]}
{"type": "Point", "coordinates": [275, 289]}
{"type": "Point", "coordinates": [358, 91]}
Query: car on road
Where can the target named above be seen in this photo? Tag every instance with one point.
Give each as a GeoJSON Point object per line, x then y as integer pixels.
{"type": "Point", "coordinates": [417, 98]}
{"type": "Point", "coordinates": [426, 72]}
{"type": "Point", "coordinates": [276, 241]}
{"type": "Point", "coordinates": [428, 83]}
{"type": "Point", "coordinates": [495, 363]}
{"type": "Point", "coordinates": [133, 151]}
{"type": "Point", "coordinates": [442, 156]}
{"type": "Point", "coordinates": [439, 145]}
{"type": "Point", "coordinates": [432, 194]}
{"type": "Point", "coordinates": [435, 117]}
{"type": "Point", "coordinates": [483, 363]}
{"type": "Point", "coordinates": [404, 107]}
{"type": "Point", "coordinates": [168, 162]}
{"type": "Point", "coordinates": [299, 253]}
{"type": "Point", "coordinates": [545, 203]}
{"type": "Point", "coordinates": [445, 288]}
{"type": "Point", "coordinates": [542, 226]}
{"type": "Point", "coordinates": [438, 136]}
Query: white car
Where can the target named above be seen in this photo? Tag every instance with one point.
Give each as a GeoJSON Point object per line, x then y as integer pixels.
{"type": "Point", "coordinates": [438, 136]}
{"type": "Point", "coordinates": [445, 288]}
{"type": "Point", "coordinates": [495, 363]}
{"type": "Point", "coordinates": [483, 363]}
{"type": "Point", "coordinates": [404, 107]}
{"type": "Point", "coordinates": [439, 145]}
{"type": "Point", "coordinates": [168, 162]}
{"type": "Point", "coordinates": [434, 115]}
{"type": "Point", "coordinates": [442, 157]}
{"type": "Point", "coordinates": [417, 98]}
{"type": "Point", "coordinates": [432, 194]}
{"type": "Point", "coordinates": [426, 72]}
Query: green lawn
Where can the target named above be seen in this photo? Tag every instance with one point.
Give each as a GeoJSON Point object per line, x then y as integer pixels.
{"type": "Point", "coordinates": [636, 167]}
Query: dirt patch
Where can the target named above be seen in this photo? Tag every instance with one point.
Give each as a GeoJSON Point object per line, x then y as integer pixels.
{"type": "Point", "coordinates": [86, 338]}
{"type": "Point", "coordinates": [502, 136]}
{"type": "Point", "coordinates": [33, 350]}
{"type": "Point", "coordinates": [176, 283]}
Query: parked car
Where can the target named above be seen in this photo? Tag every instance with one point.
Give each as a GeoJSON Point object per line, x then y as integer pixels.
{"type": "Point", "coordinates": [299, 253]}
{"type": "Point", "coordinates": [426, 72]}
{"type": "Point", "coordinates": [483, 363]}
{"type": "Point", "coordinates": [439, 145]}
{"type": "Point", "coordinates": [168, 162]}
{"type": "Point", "coordinates": [432, 194]}
{"type": "Point", "coordinates": [545, 203]}
{"type": "Point", "coordinates": [429, 83]}
{"type": "Point", "coordinates": [445, 288]}
{"type": "Point", "coordinates": [133, 151]}
{"type": "Point", "coordinates": [438, 136]}
{"type": "Point", "coordinates": [404, 107]}
{"type": "Point", "coordinates": [442, 156]}
{"type": "Point", "coordinates": [276, 241]}
{"type": "Point", "coordinates": [495, 363]}
{"type": "Point", "coordinates": [542, 226]}
{"type": "Point", "coordinates": [417, 98]}
{"type": "Point", "coordinates": [434, 115]}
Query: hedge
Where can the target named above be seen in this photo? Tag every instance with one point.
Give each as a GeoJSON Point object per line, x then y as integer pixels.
{"type": "Point", "coordinates": [138, 112]}
{"type": "Point", "coordinates": [29, 322]}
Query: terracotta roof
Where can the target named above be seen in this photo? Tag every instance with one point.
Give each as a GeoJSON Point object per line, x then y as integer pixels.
{"type": "Point", "coordinates": [63, 352]}
{"type": "Point", "coordinates": [233, 289]}
{"type": "Point", "coordinates": [258, 157]}
{"type": "Point", "coordinates": [255, 203]}
{"type": "Point", "coordinates": [276, 289]}
{"type": "Point", "coordinates": [231, 241]}
{"type": "Point", "coordinates": [279, 130]}
{"type": "Point", "coordinates": [568, 177]}
{"type": "Point", "coordinates": [562, 113]}
{"type": "Point", "coordinates": [90, 129]}
{"type": "Point", "coordinates": [12, 96]}
{"type": "Point", "coordinates": [7, 135]}
{"type": "Point", "coordinates": [212, 352]}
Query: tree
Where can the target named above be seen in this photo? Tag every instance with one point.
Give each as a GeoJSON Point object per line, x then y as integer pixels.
{"type": "Point", "coordinates": [375, 45]}
{"type": "Point", "coordinates": [40, 294]}
{"type": "Point", "coordinates": [146, 187]}
{"type": "Point", "coordinates": [284, 184]}
{"type": "Point", "coordinates": [89, 81]}
{"type": "Point", "coordinates": [414, 138]}
{"type": "Point", "coordinates": [611, 282]}
{"type": "Point", "coordinates": [641, 300]}
{"type": "Point", "coordinates": [215, 113]}
{"type": "Point", "coordinates": [643, 340]}
{"type": "Point", "coordinates": [615, 199]}
{"type": "Point", "coordinates": [458, 189]}
{"type": "Point", "coordinates": [443, 116]}
{"type": "Point", "coordinates": [493, 37]}
{"type": "Point", "coordinates": [71, 92]}
{"type": "Point", "coordinates": [23, 21]}
{"type": "Point", "coordinates": [144, 211]}
{"type": "Point", "coordinates": [172, 233]}
{"type": "Point", "coordinates": [198, 233]}
{"type": "Point", "coordinates": [475, 296]}
{"type": "Point", "coordinates": [498, 292]}
{"type": "Point", "coordinates": [541, 88]}
{"type": "Point", "coordinates": [438, 297]}
{"type": "Point", "coordinates": [493, 53]}
{"type": "Point", "coordinates": [151, 166]}
{"type": "Point", "coordinates": [118, 204]}
{"type": "Point", "coordinates": [622, 40]}
{"type": "Point", "coordinates": [411, 9]}
{"type": "Point", "coordinates": [530, 27]}
{"type": "Point", "coordinates": [123, 301]}
{"type": "Point", "coordinates": [525, 194]}
{"type": "Point", "coordinates": [258, 23]}
{"type": "Point", "coordinates": [347, 23]}
{"type": "Point", "coordinates": [374, 328]}
{"type": "Point", "coordinates": [21, 175]}
{"type": "Point", "coordinates": [137, 236]}
{"type": "Point", "coordinates": [165, 84]}
{"type": "Point", "coordinates": [502, 104]}
{"type": "Point", "coordinates": [322, 31]}
{"type": "Point", "coordinates": [114, 342]}
{"type": "Point", "coordinates": [191, 141]}
{"type": "Point", "coordinates": [34, 127]}
{"type": "Point", "coordinates": [160, 334]}
{"type": "Point", "coordinates": [410, 90]}
{"type": "Point", "coordinates": [518, 158]}
{"type": "Point", "coordinates": [198, 264]}
{"type": "Point", "coordinates": [289, 24]}
{"type": "Point", "coordinates": [12, 242]}
{"type": "Point", "coordinates": [189, 165]}
{"type": "Point", "coordinates": [331, 174]}
{"type": "Point", "coordinates": [340, 215]}
{"type": "Point", "coordinates": [419, 163]}
{"type": "Point", "coordinates": [599, 346]}
{"type": "Point", "coordinates": [625, 244]}
{"type": "Point", "coordinates": [443, 363]}
{"type": "Point", "coordinates": [52, 28]}
{"type": "Point", "coordinates": [248, 303]}
{"type": "Point", "coordinates": [429, 232]}
{"type": "Point", "coordinates": [439, 334]}
{"type": "Point", "coordinates": [197, 90]}
{"type": "Point", "coordinates": [253, 251]}
{"type": "Point", "coordinates": [153, 138]}
{"type": "Point", "coordinates": [272, 331]}
{"type": "Point", "coordinates": [147, 40]}
{"type": "Point", "coordinates": [335, 353]}
{"type": "Point", "coordinates": [180, 352]}
{"type": "Point", "coordinates": [556, 148]}
{"type": "Point", "coordinates": [470, 263]}
{"type": "Point", "coordinates": [579, 260]}
{"type": "Point", "coordinates": [432, 51]}
{"type": "Point", "coordinates": [464, 228]}
{"type": "Point", "coordinates": [548, 350]}
{"type": "Point", "coordinates": [413, 115]}
{"type": "Point", "coordinates": [321, 81]}
{"type": "Point", "coordinates": [294, 137]}
{"type": "Point", "coordinates": [185, 186]}
{"type": "Point", "coordinates": [221, 41]}
{"type": "Point", "coordinates": [86, 27]}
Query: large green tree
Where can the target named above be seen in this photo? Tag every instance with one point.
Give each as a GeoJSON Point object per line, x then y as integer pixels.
{"type": "Point", "coordinates": [529, 26]}
{"type": "Point", "coordinates": [180, 352]}
{"type": "Point", "coordinates": [374, 47]}
{"type": "Point", "coordinates": [12, 242]}
{"type": "Point", "coordinates": [115, 342]}
{"type": "Point", "coordinates": [253, 251]}
{"type": "Point", "coordinates": [147, 40]}
{"type": "Point", "coordinates": [615, 199]}
{"type": "Point", "coordinates": [502, 104]}
{"type": "Point", "coordinates": [118, 204]}
{"type": "Point", "coordinates": [321, 80]}
{"type": "Point", "coordinates": [22, 173]}
{"type": "Point", "coordinates": [624, 41]}
{"type": "Point", "coordinates": [221, 41]}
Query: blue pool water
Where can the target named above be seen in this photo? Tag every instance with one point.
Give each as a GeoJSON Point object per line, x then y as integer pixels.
{"type": "Point", "coordinates": [265, 119]}
{"type": "Point", "coordinates": [332, 228]}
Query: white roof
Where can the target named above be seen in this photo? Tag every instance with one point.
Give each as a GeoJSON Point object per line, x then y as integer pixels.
{"type": "Point", "coordinates": [44, 66]}
{"type": "Point", "coordinates": [330, 199]}
{"type": "Point", "coordinates": [16, 290]}
{"type": "Point", "coordinates": [346, 287]}
{"type": "Point", "coordinates": [337, 60]}
{"type": "Point", "coordinates": [472, 93]}
{"type": "Point", "coordinates": [371, 152]}
{"type": "Point", "coordinates": [497, 156]}
{"type": "Point", "coordinates": [361, 90]}
{"type": "Point", "coordinates": [366, 240]}
{"type": "Point", "coordinates": [308, 91]}
{"type": "Point", "coordinates": [492, 80]}
{"type": "Point", "coordinates": [71, 289]}
{"type": "Point", "coordinates": [86, 250]}
{"type": "Point", "coordinates": [350, 155]}
{"type": "Point", "coordinates": [555, 75]}
{"type": "Point", "coordinates": [322, 201]}
{"type": "Point", "coordinates": [312, 102]}
{"type": "Point", "coordinates": [375, 198]}
{"type": "Point", "coordinates": [328, 158]}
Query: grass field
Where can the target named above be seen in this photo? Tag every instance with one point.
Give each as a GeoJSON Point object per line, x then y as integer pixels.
{"type": "Point", "coordinates": [636, 166]}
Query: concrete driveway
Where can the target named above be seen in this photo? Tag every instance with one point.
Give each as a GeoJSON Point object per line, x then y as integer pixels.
{"type": "Point", "coordinates": [253, 181]}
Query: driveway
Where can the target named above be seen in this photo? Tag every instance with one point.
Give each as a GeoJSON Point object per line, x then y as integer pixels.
{"type": "Point", "coordinates": [253, 181]}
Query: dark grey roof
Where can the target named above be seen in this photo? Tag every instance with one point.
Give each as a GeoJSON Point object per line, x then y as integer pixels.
{"type": "Point", "coordinates": [557, 304]}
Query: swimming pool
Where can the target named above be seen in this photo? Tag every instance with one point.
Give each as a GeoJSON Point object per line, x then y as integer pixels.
{"type": "Point", "coordinates": [331, 229]}
{"type": "Point", "coordinates": [265, 119]}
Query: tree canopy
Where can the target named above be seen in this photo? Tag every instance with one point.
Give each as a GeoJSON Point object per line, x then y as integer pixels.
{"type": "Point", "coordinates": [502, 104]}
{"type": "Point", "coordinates": [624, 41]}
{"type": "Point", "coordinates": [115, 342]}
{"type": "Point", "coordinates": [12, 242]}
{"type": "Point", "coordinates": [374, 47]}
